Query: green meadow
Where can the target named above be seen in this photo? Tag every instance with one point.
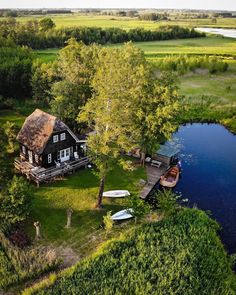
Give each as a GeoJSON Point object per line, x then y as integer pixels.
{"type": "Point", "coordinates": [92, 20]}
{"type": "Point", "coordinates": [211, 45]}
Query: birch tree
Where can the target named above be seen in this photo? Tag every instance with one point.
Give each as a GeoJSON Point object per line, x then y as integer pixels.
{"type": "Point", "coordinates": [129, 108]}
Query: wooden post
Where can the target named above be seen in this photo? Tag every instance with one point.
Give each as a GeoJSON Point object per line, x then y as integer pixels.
{"type": "Point", "coordinates": [37, 228]}
{"type": "Point", "coordinates": [69, 214]}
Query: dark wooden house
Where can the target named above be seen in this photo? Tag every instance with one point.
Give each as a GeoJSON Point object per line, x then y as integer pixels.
{"type": "Point", "coordinates": [46, 142]}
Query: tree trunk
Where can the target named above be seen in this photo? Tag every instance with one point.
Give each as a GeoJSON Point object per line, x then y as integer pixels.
{"type": "Point", "coordinates": [101, 190]}
{"type": "Point", "coordinates": [142, 159]}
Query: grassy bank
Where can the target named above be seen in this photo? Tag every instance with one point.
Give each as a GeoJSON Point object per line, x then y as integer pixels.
{"type": "Point", "coordinates": [181, 254]}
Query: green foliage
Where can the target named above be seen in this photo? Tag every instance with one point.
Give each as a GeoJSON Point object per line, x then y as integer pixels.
{"type": "Point", "coordinates": [42, 34]}
{"type": "Point", "coordinates": [46, 24]}
{"type": "Point", "coordinates": [167, 202]}
{"type": "Point", "coordinates": [10, 132]}
{"type": "Point", "coordinates": [15, 202]}
{"type": "Point", "coordinates": [15, 70]}
{"type": "Point", "coordinates": [139, 207]}
{"type": "Point", "coordinates": [183, 64]}
{"type": "Point", "coordinates": [108, 222]}
{"type": "Point", "coordinates": [129, 107]}
{"type": "Point", "coordinates": [76, 67]}
{"type": "Point", "coordinates": [181, 254]}
{"type": "Point", "coordinates": [41, 82]}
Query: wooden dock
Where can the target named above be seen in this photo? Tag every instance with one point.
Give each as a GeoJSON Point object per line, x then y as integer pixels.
{"type": "Point", "coordinates": [153, 176]}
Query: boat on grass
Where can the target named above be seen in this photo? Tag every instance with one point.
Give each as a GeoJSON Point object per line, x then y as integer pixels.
{"type": "Point", "coordinates": [122, 215]}
{"type": "Point", "coordinates": [116, 194]}
{"type": "Point", "coordinates": [171, 177]}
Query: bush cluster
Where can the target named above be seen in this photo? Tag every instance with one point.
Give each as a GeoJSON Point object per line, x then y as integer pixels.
{"type": "Point", "coordinates": [183, 64]}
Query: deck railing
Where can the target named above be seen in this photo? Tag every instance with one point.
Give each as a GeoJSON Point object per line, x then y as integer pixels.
{"type": "Point", "coordinates": [39, 174]}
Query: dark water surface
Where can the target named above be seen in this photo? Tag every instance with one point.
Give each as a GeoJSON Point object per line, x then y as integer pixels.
{"type": "Point", "coordinates": [208, 156]}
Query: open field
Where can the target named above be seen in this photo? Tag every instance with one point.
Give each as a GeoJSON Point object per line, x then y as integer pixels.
{"type": "Point", "coordinates": [128, 23]}
{"type": "Point", "coordinates": [221, 85]}
{"type": "Point", "coordinates": [211, 45]}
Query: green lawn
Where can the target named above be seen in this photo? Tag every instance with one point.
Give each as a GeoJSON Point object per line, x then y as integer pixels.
{"type": "Point", "coordinates": [126, 22]}
{"type": "Point", "coordinates": [79, 192]}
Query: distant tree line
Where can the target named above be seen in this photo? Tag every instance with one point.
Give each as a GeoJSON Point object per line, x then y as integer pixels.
{"type": "Point", "coordinates": [25, 12]}
{"type": "Point", "coordinates": [153, 16]}
{"type": "Point", "coordinates": [43, 34]}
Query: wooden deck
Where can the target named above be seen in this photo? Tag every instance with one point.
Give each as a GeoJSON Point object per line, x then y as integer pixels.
{"type": "Point", "coordinates": [153, 176]}
{"type": "Point", "coordinates": [40, 174]}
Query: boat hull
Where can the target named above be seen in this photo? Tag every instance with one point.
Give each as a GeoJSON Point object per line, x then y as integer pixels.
{"type": "Point", "coordinates": [122, 215]}
{"type": "Point", "coordinates": [116, 194]}
{"type": "Point", "coordinates": [170, 178]}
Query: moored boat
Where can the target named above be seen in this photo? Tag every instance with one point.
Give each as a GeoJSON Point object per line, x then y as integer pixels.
{"type": "Point", "coordinates": [116, 194]}
{"type": "Point", "coordinates": [171, 177]}
{"type": "Point", "coordinates": [122, 215]}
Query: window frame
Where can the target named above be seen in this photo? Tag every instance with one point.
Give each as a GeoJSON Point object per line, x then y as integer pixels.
{"type": "Point", "coordinates": [49, 158]}
{"type": "Point", "coordinates": [55, 138]}
{"type": "Point", "coordinates": [62, 136]}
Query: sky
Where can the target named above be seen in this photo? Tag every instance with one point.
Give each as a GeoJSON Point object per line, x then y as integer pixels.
{"type": "Point", "coordinates": [179, 4]}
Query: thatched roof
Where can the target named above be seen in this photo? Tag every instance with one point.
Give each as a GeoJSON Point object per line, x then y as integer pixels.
{"type": "Point", "coordinates": [38, 128]}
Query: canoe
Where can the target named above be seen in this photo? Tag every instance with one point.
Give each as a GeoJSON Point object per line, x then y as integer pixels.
{"type": "Point", "coordinates": [116, 194]}
{"type": "Point", "coordinates": [171, 177]}
{"type": "Point", "coordinates": [123, 214]}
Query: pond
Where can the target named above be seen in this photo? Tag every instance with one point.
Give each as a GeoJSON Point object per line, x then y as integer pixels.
{"type": "Point", "coordinates": [223, 32]}
{"type": "Point", "coordinates": [208, 157]}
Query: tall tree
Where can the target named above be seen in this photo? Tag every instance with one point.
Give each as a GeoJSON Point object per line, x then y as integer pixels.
{"type": "Point", "coordinates": [46, 24]}
{"type": "Point", "coordinates": [15, 202]}
{"type": "Point", "coordinates": [129, 107]}
{"type": "Point", "coordinates": [76, 67]}
{"type": "Point", "coordinates": [44, 75]}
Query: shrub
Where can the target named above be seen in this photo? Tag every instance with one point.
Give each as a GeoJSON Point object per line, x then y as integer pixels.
{"type": "Point", "coordinates": [183, 64]}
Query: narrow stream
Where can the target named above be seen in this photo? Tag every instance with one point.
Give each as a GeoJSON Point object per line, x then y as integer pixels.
{"type": "Point", "coordinates": [223, 32]}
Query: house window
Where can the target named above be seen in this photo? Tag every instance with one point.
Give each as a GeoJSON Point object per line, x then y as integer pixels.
{"type": "Point", "coordinates": [36, 157]}
{"type": "Point", "coordinates": [49, 158]}
{"type": "Point", "coordinates": [55, 138]}
{"type": "Point", "coordinates": [62, 136]}
{"type": "Point", "coordinates": [23, 150]}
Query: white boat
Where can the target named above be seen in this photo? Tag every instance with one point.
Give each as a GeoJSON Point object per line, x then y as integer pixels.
{"type": "Point", "coordinates": [116, 194]}
{"type": "Point", "coordinates": [123, 214]}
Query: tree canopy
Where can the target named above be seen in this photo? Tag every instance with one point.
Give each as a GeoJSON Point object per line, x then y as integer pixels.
{"type": "Point", "coordinates": [129, 107]}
